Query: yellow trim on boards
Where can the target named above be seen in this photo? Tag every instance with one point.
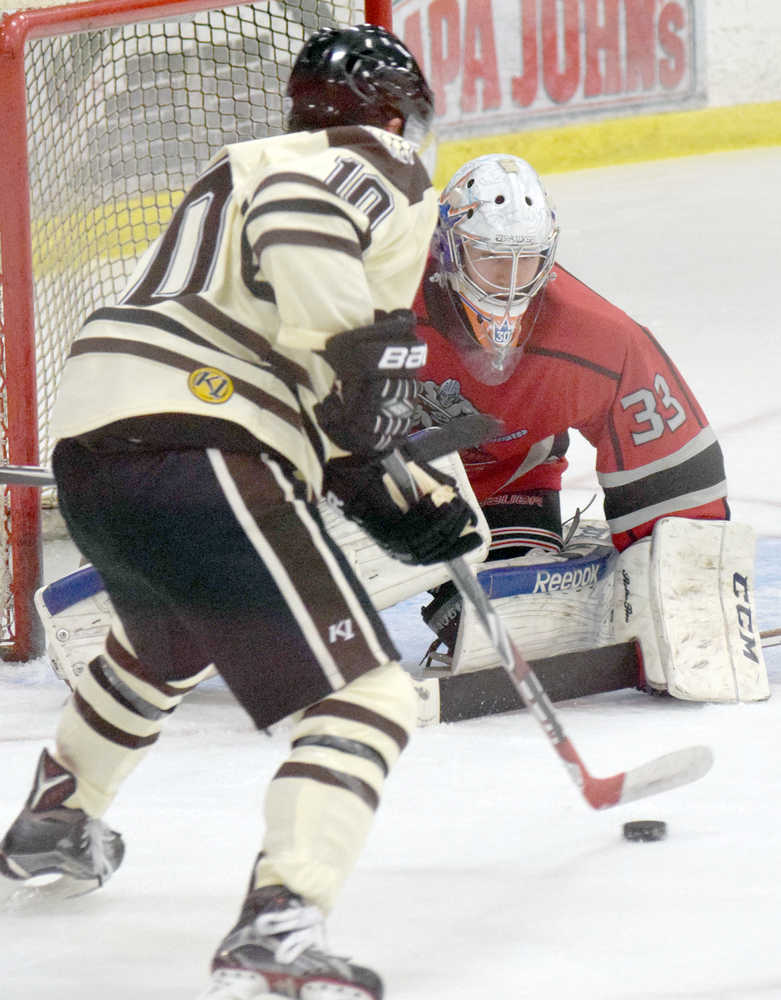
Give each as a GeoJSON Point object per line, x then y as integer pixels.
{"type": "Point", "coordinates": [123, 229]}
{"type": "Point", "coordinates": [623, 140]}
{"type": "Point", "coordinates": [119, 229]}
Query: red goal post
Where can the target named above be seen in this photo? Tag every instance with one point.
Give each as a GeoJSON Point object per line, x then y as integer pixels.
{"type": "Point", "coordinates": [107, 110]}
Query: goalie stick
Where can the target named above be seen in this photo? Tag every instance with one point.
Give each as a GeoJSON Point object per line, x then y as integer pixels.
{"type": "Point", "coordinates": [25, 475]}
{"type": "Point", "coordinates": [658, 775]}
{"type": "Point", "coordinates": [460, 433]}
{"type": "Point", "coordinates": [472, 694]}
{"type": "Point", "coordinates": [446, 697]}
{"type": "Point", "coordinates": [771, 637]}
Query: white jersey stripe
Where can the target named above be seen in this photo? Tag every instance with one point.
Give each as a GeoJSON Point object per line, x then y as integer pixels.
{"type": "Point", "coordinates": [344, 585]}
{"type": "Point", "coordinates": [698, 444]}
{"type": "Point", "coordinates": [672, 506]}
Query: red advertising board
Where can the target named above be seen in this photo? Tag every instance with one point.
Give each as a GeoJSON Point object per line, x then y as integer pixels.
{"type": "Point", "coordinates": [501, 65]}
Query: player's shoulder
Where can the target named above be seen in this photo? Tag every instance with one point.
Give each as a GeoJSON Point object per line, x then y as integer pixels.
{"type": "Point", "coordinates": [295, 152]}
{"type": "Point", "coordinates": [346, 153]}
{"type": "Point", "coordinates": [575, 294]}
{"type": "Point", "coordinates": [386, 153]}
{"type": "Point", "coordinates": [572, 304]}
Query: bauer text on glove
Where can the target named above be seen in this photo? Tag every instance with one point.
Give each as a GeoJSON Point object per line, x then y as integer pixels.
{"type": "Point", "coordinates": [370, 407]}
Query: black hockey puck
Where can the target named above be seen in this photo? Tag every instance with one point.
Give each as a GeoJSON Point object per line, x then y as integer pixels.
{"type": "Point", "coordinates": [645, 829]}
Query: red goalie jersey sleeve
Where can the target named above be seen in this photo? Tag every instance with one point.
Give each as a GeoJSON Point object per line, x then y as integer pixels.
{"type": "Point", "coordinates": [590, 367]}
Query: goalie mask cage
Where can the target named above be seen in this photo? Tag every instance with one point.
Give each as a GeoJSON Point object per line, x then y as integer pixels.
{"type": "Point", "coordinates": [108, 110]}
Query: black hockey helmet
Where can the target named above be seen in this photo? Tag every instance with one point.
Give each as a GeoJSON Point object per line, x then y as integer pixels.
{"type": "Point", "coordinates": [362, 75]}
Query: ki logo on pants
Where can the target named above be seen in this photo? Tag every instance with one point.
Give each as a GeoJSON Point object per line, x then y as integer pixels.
{"type": "Point", "coordinates": [341, 630]}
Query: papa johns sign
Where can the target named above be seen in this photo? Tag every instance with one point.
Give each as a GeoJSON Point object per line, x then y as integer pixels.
{"type": "Point", "coordinates": [495, 63]}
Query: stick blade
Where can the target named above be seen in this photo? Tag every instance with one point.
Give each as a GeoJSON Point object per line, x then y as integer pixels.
{"type": "Point", "coordinates": [662, 774]}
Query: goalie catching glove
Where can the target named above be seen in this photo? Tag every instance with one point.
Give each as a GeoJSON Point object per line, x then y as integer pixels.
{"type": "Point", "coordinates": [369, 409]}
{"type": "Point", "coordinates": [437, 527]}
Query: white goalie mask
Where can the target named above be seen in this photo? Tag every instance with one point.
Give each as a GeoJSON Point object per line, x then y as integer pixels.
{"type": "Point", "coordinates": [496, 244]}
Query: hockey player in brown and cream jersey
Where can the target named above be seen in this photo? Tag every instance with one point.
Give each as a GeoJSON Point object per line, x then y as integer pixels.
{"type": "Point", "coordinates": [265, 342]}
{"type": "Point", "coordinates": [221, 338]}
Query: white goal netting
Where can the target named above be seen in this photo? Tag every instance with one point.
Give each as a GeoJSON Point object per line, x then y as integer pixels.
{"type": "Point", "coordinates": [122, 107]}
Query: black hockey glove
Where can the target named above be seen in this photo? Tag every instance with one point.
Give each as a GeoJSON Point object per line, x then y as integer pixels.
{"type": "Point", "coordinates": [436, 528]}
{"type": "Point", "coordinates": [370, 407]}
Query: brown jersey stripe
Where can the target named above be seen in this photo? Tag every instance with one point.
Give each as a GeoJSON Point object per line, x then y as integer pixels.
{"type": "Point", "coordinates": [328, 776]}
{"type": "Point", "coordinates": [148, 317]}
{"type": "Point", "coordinates": [357, 713]}
{"type": "Point", "coordinates": [256, 286]}
{"type": "Point", "coordinates": [289, 371]}
{"type": "Point", "coordinates": [111, 733]}
{"type": "Point", "coordinates": [290, 177]}
{"type": "Point", "coordinates": [310, 206]}
{"type": "Point", "coordinates": [306, 238]}
{"type": "Point", "coordinates": [115, 345]}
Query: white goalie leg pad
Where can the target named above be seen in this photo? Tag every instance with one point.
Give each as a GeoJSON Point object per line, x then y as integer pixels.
{"type": "Point", "coordinates": [703, 586]}
{"type": "Point", "coordinates": [550, 603]}
{"type": "Point", "coordinates": [633, 614]}
{"type": "Point", "coordinates": [686, 595]}
{"type": "Point", "coordinates": [387, 580]}
{"type": "Point", "coordinates": [75, 612]}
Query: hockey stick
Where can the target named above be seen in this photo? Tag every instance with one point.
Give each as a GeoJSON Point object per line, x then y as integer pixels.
{"type": "Point", "coordinates": [448, 697]}
{"type": "Point", "coordinates": [658, 775]}
{"type": "Point", "coordinates": [461, 432]}
{"type": "Point", "coordinates": [25, 475]}
{"type": "Point", "coordinates": [771, 637]}
{"type": "Point", "coordinates": [454, 697]}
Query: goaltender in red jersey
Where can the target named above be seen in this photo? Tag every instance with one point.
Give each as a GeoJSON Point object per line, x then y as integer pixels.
{"type": "Point", "coordinates": [513, 335]}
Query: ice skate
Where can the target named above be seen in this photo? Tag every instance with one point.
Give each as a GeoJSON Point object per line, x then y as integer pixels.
{"type": "Point", "coordinates": [277, 950]}
{"type": "Point", "coordinates": [52, 851]}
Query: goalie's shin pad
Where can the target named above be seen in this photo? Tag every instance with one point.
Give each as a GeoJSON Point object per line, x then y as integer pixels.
{"type": "Point", "coordinates": [688, 595]}
{"type": "Point", "coordinates": [550, 603]}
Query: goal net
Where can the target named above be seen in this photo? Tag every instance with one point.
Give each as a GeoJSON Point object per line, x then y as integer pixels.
{"type": "Point", "coordinates": [108, 109]}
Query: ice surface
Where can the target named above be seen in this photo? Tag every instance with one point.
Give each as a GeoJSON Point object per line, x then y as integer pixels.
{"type": "Point", "coordinates": [486, 875]}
